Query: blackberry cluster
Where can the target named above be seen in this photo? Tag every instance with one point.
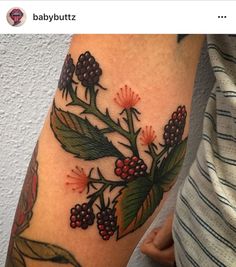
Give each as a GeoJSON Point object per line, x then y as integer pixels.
{"type": "Point", "coordinates": [82, 216]}
{"type": "Point", "coordinates": [174, 129]}
{"type": "Point", "coordinates": [130, 168]}
{"type": "Point", "coordinates": [66, 73]}
{"type": "Point", "coordinates": [88, 70]}
{"type": "Point", "coordinates": [106, 223]}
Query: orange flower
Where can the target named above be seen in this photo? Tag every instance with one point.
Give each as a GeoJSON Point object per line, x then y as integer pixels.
{"type": "Point", "coordinates": [147, 136]}
{"type": "Point", "coordinates": [126, 98]}
{"type": "Point", "coordinates": [78, 179]}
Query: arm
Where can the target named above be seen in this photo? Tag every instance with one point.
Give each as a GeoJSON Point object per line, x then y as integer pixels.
{"type": "Point", "coordinates": [110, 150]}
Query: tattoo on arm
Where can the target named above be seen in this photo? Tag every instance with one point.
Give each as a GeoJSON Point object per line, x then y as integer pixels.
{"type": "Point", "coordinates": [119, 204]}
{"type": "Point", "coordinates": [140, 187]}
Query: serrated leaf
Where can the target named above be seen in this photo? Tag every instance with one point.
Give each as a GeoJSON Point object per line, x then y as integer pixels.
{"type": "Point", "coordinates": [15, 259]}
{"type": "Point", "coordinates": [135, 204]}
{"type": "Point", "coordinates": [170, 166]}
{"type": "Point", "coordinates": [44, 252]}
{"type": "Point", "coordinates": [79, 137]}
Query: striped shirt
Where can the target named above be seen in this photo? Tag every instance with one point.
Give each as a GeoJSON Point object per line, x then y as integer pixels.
{"type": "Point", "coordinates": [204, 228]}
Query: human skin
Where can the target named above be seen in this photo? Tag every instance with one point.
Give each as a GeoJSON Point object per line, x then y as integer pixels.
{"type": "Point", "coordinates": [159, 244]}
{"type": "Point", "coordinates": [161, 72]}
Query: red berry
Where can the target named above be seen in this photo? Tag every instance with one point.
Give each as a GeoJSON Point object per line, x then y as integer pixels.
{"type": "Point", "coordinates": [125, 168]}
{"type": "Point", "coordinates": [132, 163]}
{"type": "Point", "coordinates": [134, 158]}
{"type": "Point", "coordinates": [118, 171]}
{"type": "Point", "coordinates": [131, 171]}
{"type": "Point", "coordinates": [131, 168]}
{"type": "Point", "coordinates": [127, 161]}
{"type": "Point", "coordinates": [124, 175]}
{"type": "Point", "coordinates": [119, 163]}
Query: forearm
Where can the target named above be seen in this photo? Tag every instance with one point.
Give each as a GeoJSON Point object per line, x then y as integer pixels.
{"type": "Point", "coordinates": [95, 147]}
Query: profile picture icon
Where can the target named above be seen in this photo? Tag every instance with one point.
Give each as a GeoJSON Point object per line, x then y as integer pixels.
{"type": "Point", "coordinates": [16, 16]}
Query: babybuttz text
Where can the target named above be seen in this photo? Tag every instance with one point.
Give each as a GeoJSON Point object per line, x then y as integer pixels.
{"type": "Point", "coordinates": [54, 17]}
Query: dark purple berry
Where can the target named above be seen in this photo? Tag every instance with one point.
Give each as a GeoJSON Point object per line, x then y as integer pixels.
{"type": "Point", "coordinates": [173, 131]}
{"type": "Point", "coordinates": [82, 216]}
{"type": "Point", "coordinates": [87, 70]}
{"type": "Point", "coordinates": [106, 223]}
{"type": "Point", "coordinates": [67, 73]}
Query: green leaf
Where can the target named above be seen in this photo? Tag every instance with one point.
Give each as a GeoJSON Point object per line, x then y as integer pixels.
{"type": "Point", "coordinates": [170, 166]}
{"type": "Point", "coordinates": [135, 204]}
{"type": "Point", "coordinates": [44, 252]}
{"type": "Point", "coordinates": [15, 259]}
{"type": "Point", "coordinates": [79, 137]}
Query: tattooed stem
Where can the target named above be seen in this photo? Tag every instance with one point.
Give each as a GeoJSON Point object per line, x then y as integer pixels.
{"type": "Point", "coordinates": [93, 197]}
{"type": "Point", "coordinates": [156, 157]}
{"type": "Point", "coordinates": [92, 109]}
{"type": "Point", "coordinates": [133, 135]}
{"type": "Point", "coordinates": [102, 202]}
{"type": "Point", "coordinates": [75, 100]}
{"type": "Point", "coordinates": [164, 150]}
{"type": "Point", "coordinates": [107, 182]}
{"type": "Point", "coordinates": [93, 95]}
{"type": "Point", "coordinates": [154, 161]}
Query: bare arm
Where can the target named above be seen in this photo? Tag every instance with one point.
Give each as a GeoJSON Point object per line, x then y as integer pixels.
{"type": "Point", "coordinates": [110, 150]}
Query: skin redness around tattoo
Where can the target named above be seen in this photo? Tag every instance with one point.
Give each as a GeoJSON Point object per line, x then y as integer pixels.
{"type": "Point", "coordinates": [120, 205]}
{"type": "Point", "coordinates": [21, 247]}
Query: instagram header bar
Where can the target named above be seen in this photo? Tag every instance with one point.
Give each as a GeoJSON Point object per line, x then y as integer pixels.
{"type": "Point", "coordinates": [117, 17]}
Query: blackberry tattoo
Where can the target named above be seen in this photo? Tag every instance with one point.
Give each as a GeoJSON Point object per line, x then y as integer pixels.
{"type": "Point", "coordinates": [82, 216]}
{"type": "Point", "coordinates": [106, 223]}
{"type": "Point", "coordinates": [88, 70]}
{"type": "Point", "coordinates": [66, 77]}
{"type": "Point", "coordinates": [174, 129]}
{"type": "Point", "coordinates": [140, 185]}
{"type": "Point", "coordinates": [130, 168]}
